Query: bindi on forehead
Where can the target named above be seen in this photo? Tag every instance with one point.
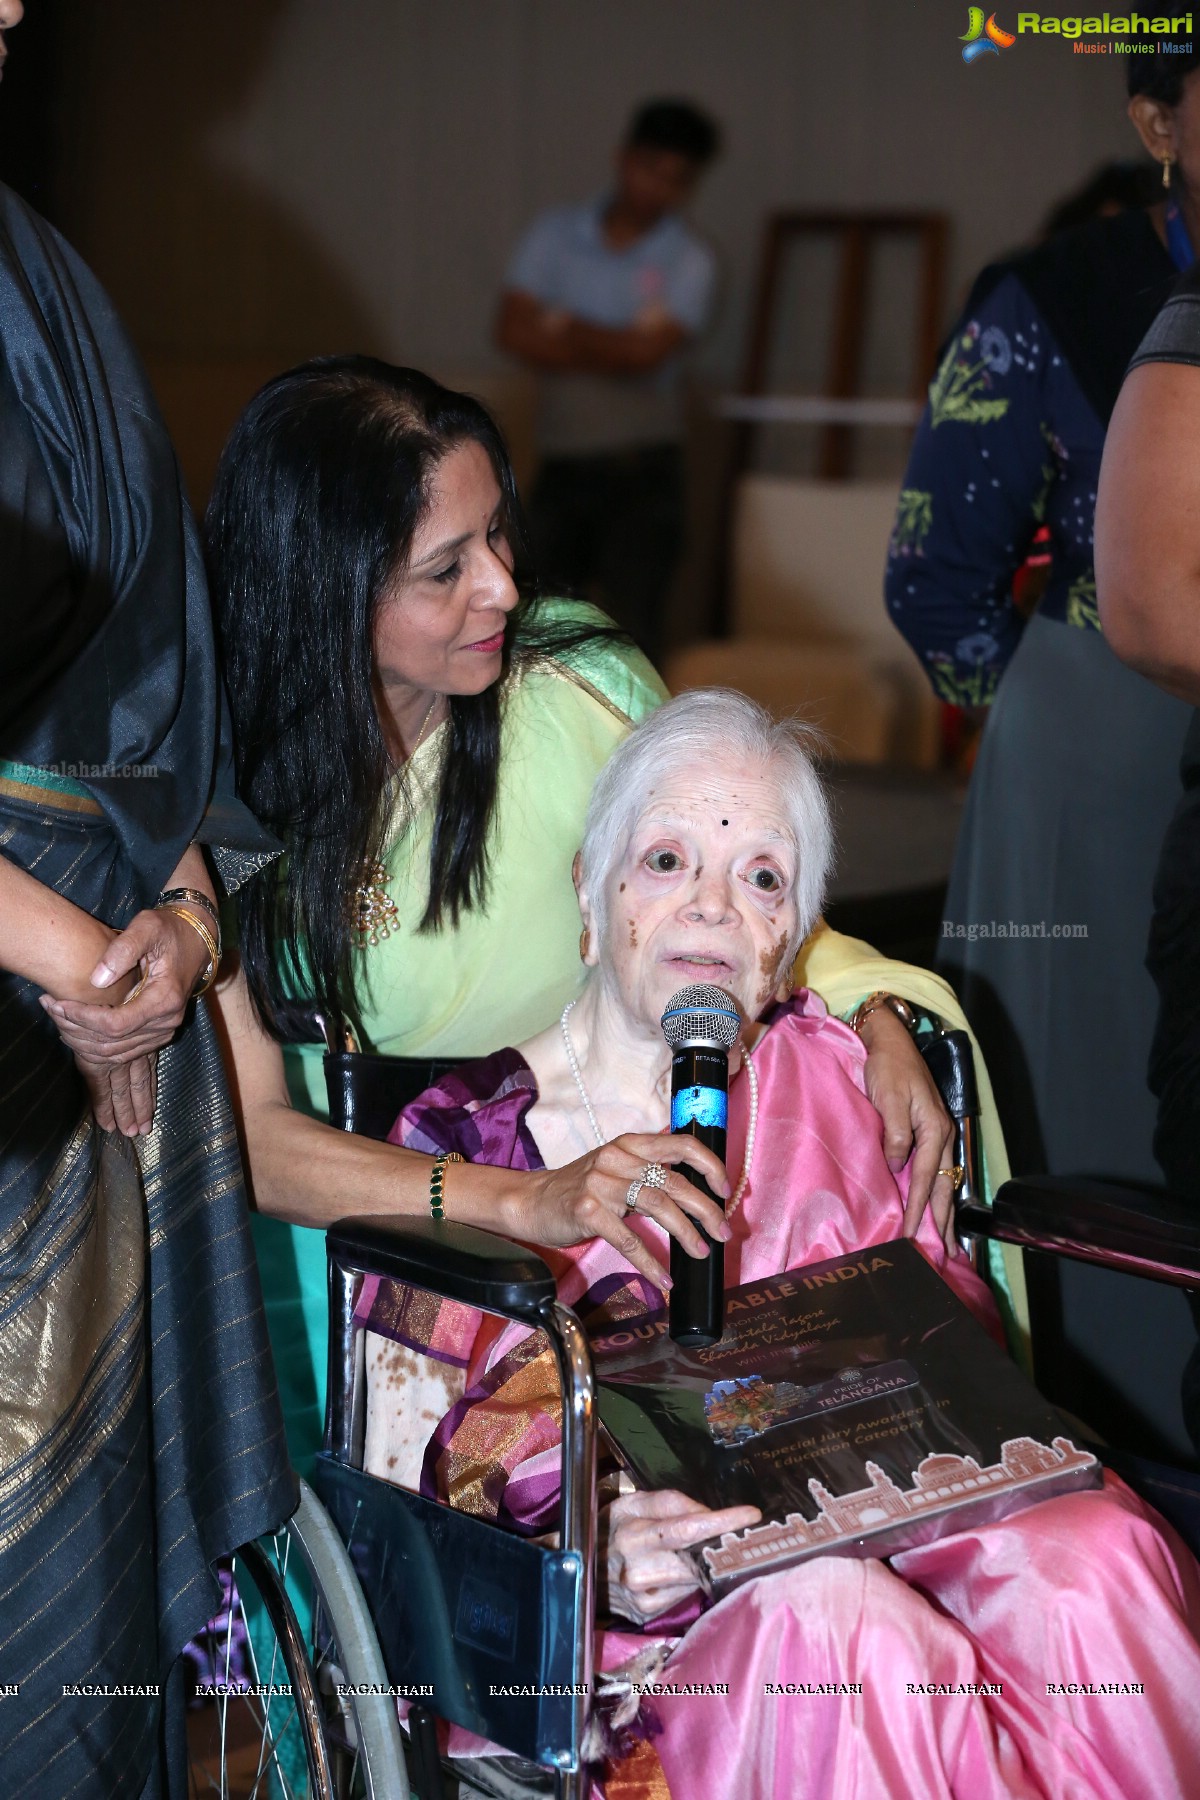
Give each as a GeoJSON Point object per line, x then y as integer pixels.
{"type": "Point", "coordinates": [694, 815]}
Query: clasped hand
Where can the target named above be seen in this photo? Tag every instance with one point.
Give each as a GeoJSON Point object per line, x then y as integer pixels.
{"type": "Point", "coordinates": [116, 1047]}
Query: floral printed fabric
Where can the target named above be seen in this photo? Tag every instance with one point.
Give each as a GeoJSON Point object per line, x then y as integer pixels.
{"type": "Point", "coordinates": [1007, 443]}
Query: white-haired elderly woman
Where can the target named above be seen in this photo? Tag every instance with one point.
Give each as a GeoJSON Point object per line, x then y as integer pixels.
{"type": "Point", "coordinates": [706, 853]}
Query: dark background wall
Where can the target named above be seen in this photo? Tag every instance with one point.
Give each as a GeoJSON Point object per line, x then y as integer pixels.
{"type": "Point", "coordinates": [31, 118]}
{"type": "Point", "coordinates": [284, 170]}
{"type": "Point", "coordinates": [259, 182]}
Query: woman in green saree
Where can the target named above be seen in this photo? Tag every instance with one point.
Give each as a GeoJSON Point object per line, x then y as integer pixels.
{"type": "Point", "coordinates": [424, 737]}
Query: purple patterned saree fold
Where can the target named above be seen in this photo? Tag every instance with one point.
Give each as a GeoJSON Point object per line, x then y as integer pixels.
{"type": "Point", "coordinates": [478, 1110]}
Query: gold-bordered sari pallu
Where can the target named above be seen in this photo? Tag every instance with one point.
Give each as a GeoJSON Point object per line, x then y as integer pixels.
{"type": "Point", "coordinates": [139, 1435]}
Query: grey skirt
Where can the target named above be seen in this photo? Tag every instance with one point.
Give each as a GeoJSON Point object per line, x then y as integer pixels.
{"type": "Point", "coordinates": [1049, 905]}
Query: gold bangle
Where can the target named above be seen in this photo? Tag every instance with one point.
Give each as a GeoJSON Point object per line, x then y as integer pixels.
{"type": "Point", "coordinates": [437, 1181]}
{"type": "Point", "coordinates": [171, 903]}
{"type": "Point", "coordinates": [892, 1002]}
{"type": "Point", "coordinates": [207, 939]}
{"type": "Point", "coordinates": [197, 896]}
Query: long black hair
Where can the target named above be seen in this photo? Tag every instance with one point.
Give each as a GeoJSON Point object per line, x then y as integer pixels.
{"type": "Point", "coordinates": [318, 495]}
{"type": "Point", "coordinates": [1162, 72]}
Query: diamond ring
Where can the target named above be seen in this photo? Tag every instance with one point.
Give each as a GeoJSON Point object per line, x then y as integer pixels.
{"type": "Point", "coordinates": [652, 1175]}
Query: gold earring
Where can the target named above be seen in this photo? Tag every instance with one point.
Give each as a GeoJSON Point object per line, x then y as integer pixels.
{"type": "Point", "coordinates": [585, 944]}
{"type": "Point", "coordinates": [1167, 161]}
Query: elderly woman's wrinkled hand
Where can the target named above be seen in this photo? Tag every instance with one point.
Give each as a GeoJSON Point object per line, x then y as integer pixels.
{"type": "Point", "coordinates": [586, 1199]}
{"type": "Point", "coordinates": [115, 1046]}
{"type": "Point", "coordinates": [915, 1122]}
{"type": "Point", "coordinates": [642, 1537]}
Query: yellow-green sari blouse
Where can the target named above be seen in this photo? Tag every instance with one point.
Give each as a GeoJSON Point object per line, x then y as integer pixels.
{"type": "Point", "coordinates": [502, 973]}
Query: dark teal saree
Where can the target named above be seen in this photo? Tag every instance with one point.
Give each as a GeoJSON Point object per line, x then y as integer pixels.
{"type": "Point", "coordinates": [140, 1435]}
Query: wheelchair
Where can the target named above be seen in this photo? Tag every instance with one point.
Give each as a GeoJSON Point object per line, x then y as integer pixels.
{"type": "Point", "coordinates": [413, 1599]}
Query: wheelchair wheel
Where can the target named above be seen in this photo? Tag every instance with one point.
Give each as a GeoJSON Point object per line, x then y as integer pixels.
{"type": "Point", "coordinates": [288, 1734]}
{"type": "Point", "coordinates": [262, 1733]}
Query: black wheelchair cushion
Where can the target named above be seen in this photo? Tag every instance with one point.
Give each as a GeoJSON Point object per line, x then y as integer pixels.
{"type": "Point", "coordinates": [367, 1092]}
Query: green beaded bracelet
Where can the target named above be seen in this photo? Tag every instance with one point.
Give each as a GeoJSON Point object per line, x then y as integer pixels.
{"type": "Point", "coordinates": [437, 1180]}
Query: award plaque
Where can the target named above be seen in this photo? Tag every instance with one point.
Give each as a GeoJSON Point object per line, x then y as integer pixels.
{"type": "Point", "coordinates": [856, 1402]}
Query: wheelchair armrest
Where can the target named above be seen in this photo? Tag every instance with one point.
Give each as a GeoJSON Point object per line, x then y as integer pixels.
{"type": "Point", "coordinates": [949, 1059]}
{"type": "Point", "coordinates": [1140, 1231]}
{"type": "Point", "coordinates": [479, 1269]}
{"type": "Point", "coordinates": [457, 1261]}
{"type": "Point", "coordinates": [951, 1062]}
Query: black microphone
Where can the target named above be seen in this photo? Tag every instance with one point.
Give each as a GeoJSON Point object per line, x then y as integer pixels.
{"type": "Point", "coordinates": [700, 1023]}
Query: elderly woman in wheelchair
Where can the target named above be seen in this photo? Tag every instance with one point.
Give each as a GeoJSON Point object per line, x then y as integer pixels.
{"type": "Point", "coordinates": [705, 856]}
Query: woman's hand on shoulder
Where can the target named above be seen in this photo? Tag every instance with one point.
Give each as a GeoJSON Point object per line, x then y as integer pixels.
{"type": "Point", "coordinates": [915, 1122]}
{"type": "Point", "coordinates": [642, 1537]}
{"type": "Point", "coordinates": [586, 1199]}
{"type": "Point", "coordinates": [115, 1046]}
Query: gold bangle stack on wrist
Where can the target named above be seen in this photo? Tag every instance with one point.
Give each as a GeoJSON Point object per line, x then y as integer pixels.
{"type": "Point", "coordinates": [210, 939]}
{"type": "Point", "coordinates": [187, 896]}
{"type": "Point", "coordinates": [437, 1181]}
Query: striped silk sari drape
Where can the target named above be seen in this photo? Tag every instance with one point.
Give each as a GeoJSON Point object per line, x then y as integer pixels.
{"type": "Point", "coordinates": [140, 1435]}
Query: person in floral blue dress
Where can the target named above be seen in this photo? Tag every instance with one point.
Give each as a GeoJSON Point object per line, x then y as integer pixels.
{"type": "Point", "coordinates": [1009, 443]}
{"type": "Point", "coordinates": [1073, 784]}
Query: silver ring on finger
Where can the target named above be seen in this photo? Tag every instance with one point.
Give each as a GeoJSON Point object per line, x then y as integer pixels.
{"type": "Point", "coordinates": [631, 1193]}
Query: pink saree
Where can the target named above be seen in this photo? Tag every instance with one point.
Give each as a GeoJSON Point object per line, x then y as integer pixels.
{"type": "Point", "coordinates": [1054, 1654]}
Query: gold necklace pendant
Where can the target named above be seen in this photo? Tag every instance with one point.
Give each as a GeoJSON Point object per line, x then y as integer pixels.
{"type": "Point", "coordinates": [372, 912]}
{"type": "Point", "coordinates": [374, 915]}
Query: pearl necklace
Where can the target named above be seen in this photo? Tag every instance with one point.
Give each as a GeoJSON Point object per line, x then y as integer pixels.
{"type": "Point", "coordinates": [601, 1140]}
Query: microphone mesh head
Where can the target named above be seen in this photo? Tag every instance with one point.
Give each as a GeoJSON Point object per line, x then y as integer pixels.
{"type": "Point", "coordinates": [701, 1015]}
